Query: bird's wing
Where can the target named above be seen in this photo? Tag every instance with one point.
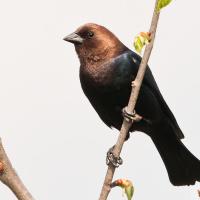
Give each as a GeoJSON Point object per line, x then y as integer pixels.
{"type": "Point", "coordinates": [95, 99]}
{"type": "Point", "coordinates": [150, 82]}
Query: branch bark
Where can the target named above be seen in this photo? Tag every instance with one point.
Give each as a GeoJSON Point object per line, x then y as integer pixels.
{"type": "Point", "coordinates": [131, 105]}
{"type": "Point", "coordinates": [9, 177]}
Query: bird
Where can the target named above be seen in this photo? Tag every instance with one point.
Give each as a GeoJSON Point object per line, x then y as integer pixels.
{"type": "Point", "coordinates": [107, 68]}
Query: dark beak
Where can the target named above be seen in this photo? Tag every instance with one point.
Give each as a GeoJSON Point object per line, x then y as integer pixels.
{"type": "Point", "coordinates": [74, 38]}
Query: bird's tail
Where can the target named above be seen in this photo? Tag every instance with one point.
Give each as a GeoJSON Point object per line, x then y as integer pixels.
{"type": "Point", "coordinates": [182, 166]}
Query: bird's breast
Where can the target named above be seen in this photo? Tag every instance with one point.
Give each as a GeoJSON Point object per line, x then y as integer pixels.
{"type": "Point", "coordinates": [96, 75]}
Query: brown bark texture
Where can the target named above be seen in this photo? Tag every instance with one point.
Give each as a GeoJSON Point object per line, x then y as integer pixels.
{"type": "Point", "coordinates": [136, 84]}
{"type": "Point", "coordinates": [9, 177]}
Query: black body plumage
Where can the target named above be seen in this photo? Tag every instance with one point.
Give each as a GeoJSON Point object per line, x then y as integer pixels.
{"type": "Point", "coordinates": [106, 72]}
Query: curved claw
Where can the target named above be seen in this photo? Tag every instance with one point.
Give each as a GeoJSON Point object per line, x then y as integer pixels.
{"type": "Point", "coordinates": [134, 117]}
{"type": "Point", "coordinates": [112, 159]}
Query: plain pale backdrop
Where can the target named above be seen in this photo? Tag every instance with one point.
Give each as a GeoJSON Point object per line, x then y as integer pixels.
{"type": "Point", "coordinates": [54, 138]}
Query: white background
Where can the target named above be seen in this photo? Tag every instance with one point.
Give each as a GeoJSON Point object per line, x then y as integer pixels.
{"type": "Point", "coordinates": [55, 139]}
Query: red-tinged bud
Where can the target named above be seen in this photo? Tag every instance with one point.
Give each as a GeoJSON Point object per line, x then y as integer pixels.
{"type": "Point", "coordinates": [1, 167]}
{"type": "Point", "coordinates": [118, 182]}
{"type": "Point", "coordinates": [141, 40]}
{"type": "Point", "coordinates": [126, 185]}
{"type": "Point", "coordinates": [146, 35]}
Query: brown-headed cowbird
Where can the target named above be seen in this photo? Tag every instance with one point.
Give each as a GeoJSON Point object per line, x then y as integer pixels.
{"type": "Point", "coordinates": [106, 72]}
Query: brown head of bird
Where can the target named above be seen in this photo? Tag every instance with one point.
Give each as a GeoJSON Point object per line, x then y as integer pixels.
{"type": "Point", "coordinates": [94, 43]}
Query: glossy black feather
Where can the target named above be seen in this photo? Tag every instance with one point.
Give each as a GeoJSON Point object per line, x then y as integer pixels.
{"type": "Point", "coordinates": [107, 70]}
{"type": "Point", "coordinates": [109, 99]}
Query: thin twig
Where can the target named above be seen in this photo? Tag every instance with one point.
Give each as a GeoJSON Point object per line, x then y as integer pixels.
{"type": "Point", "coordinates": [131, 105]}
{"type": "Point", "coordinates": [9, 177]}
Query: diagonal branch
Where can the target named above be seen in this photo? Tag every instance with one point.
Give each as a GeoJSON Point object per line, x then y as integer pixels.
{"type": "Point", "coordinates": [131, 105]}
{"type": "Point", "coordinates": [9, 177]}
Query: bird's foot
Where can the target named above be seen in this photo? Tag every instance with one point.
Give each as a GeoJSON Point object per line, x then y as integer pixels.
{"type": "Point", "coordinates": [134, 117]}
{"type": "Point", "coordinates": [112, 159]}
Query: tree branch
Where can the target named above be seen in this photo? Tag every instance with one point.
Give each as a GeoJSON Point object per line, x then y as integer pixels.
{"type": "Point", "coordinates": [131, 105]}
{"type": "Point", "coordinates": [9, 177]}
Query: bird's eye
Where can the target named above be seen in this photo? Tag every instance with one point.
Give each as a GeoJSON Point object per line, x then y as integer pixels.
{"type": "Point", "coordinates": [90, 34]}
